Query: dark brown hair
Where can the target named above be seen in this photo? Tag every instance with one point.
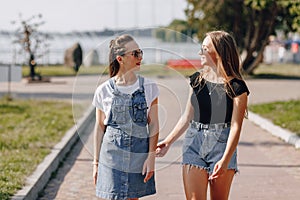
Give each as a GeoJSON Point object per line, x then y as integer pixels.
{"type": "Point", "coordinates": [117, 47]}
{"type": "Point", "coordinates": [225, 46]}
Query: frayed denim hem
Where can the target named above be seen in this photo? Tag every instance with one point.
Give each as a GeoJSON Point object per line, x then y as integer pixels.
{"type": "Point", "coordinates": [236, 171]}
{"type": "Point", "coordinates": [189, 166]}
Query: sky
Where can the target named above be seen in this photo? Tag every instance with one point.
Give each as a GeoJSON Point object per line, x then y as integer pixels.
{"type": "Point", "coordinates": [92, 15]}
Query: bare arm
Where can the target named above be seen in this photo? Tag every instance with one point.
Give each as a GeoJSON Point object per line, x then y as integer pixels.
{"type": "Point", "coordinates": [153, 126]}
{"type": "Point", "coordinates": [153, 122]}
{"type": "Point", "coordinates": [178, 130]}
{"type": "Point", "coordinates": [238, 113]}
{"type": "Point", "coordinates": [98, 136]}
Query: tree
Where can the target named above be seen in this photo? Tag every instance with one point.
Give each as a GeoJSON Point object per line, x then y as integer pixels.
{"type": "Point", "coordinates": [180, 31]}
{"type": "Point", "coordinates": [31, 40]}
{"type": "Point", "coordinates": [250, 21]}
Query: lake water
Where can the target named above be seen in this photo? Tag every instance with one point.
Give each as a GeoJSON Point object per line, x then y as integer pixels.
{"type": "Point", "coordinates": [155, 51]}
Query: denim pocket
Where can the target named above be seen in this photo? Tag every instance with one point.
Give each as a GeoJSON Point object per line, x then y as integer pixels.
{"type": "Point", "coordinates": [191, 141]}
{"type": "Point", "coordinates": [118, 114]}
{"type": "Point", "coordinates": [190, 133]}
{"type": "Point", "coordinates": [222, 135]}
{"type": "Point", "coordinates": [140, 113]}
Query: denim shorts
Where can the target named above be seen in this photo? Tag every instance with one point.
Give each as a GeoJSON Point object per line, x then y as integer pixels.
{"type": "Point", "coordinates": [204, 147]}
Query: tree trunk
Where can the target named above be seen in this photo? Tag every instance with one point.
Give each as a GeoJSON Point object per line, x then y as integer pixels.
{"type": "Point", "coordinates": [32, 65]}
{"type": "Point", "coordinates": [258, 38]}
{"type": "Point", "coordinates": [252, 63]}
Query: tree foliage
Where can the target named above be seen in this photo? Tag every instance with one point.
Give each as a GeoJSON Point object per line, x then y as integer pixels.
{"type": "Point", "coordinates": [250, 21]}
{"type": "Point", "coordinates": [177, 31]}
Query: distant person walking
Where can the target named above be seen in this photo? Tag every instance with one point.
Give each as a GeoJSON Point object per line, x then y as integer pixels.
{"type": "Point", "coordinates": [281, 53]}
{"type": "Point", "coordinates": [295, 50]}
{"type": "Point", "coordinates": [126, 128]}
{"type": "Point", "coordinates": [213, 119]}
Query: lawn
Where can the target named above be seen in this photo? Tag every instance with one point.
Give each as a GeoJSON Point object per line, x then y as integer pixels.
{"type": "Point", "coordinates": [147, 70]}
{"type": "Point", "coordinates": [285, 114]}
{"type": "Point", "coordinates": [60, 70]}
{"type": "Point", "coordinates": [28, 131]}
{"type": "Point", "coordinates": [279, 70]}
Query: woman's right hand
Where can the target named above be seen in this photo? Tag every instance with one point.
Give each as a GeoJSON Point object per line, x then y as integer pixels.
{"type": "Point", "coordinates": [95, 173]}
{"type": "Point", "coordinates": [161, 149]}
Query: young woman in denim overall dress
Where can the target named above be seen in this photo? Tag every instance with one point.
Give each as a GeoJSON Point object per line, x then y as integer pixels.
{"type": "Point", "coordinates": [213, 119]}
{"type": "Point", "coordinates": [126, 128]}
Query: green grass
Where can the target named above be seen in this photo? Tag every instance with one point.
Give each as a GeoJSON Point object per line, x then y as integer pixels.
{"type": "Point", "coordinates": [28, 131]}
{"type": "Point", "coordinates": [278, 70]}
{"type": "Point", "coordinates": [60, 70]}
{"type": "Point", "coordinates": [285, 114]}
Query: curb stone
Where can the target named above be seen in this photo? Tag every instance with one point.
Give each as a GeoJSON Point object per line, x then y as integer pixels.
{"type": "Point", "coordinates": [275, 130]}
{"type": "Point", "coordinates": [36, 182]}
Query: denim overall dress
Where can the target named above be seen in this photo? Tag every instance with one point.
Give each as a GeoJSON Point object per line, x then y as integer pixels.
{"type": "Point", "coordinates": [125, 147]}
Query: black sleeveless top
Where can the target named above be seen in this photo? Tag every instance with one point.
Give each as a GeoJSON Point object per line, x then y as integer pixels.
{"type": "Point", "coordinates": [213, 102]}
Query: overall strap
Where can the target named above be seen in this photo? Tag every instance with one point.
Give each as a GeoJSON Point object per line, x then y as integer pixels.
{"type": "Point", "coordinates": [141, 82]}
{"type": "Point", "coordinates": [112, 84]}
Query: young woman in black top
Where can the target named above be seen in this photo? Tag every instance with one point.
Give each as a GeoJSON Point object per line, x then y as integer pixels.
{"type": "Point", "coordinates": [213, 119]}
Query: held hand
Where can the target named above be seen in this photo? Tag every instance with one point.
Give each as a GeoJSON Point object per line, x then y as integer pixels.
{"type": "Point", "coordinates": [148, 168]}
{"type": "Point", "coordinates": [95, 173]}
{"type": "Point", "coordinates": [219, 170]}
{"type": "Point", "coordinates": [161, 149]}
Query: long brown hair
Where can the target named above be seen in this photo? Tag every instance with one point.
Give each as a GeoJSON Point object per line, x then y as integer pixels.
{"type": "Point", "coordinates": [228, 60]}
{"type": "Point", "coordinates": [117, 47]}
{"type": "Point", "coordinates": [226, 48]}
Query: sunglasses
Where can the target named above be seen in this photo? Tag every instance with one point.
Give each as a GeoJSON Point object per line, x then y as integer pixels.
{"type": "Point", "coordinates": [137, 53]}
{"type": "Point", "coordinates": [202, 50]}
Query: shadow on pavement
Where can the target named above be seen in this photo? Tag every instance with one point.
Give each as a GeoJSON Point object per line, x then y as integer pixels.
{"type": "Point", "coordinates": [263, 144]}
{"type": "Point", "coordinates": [269, 166]}
{"type": "Point", "coordinates": [274, 76]}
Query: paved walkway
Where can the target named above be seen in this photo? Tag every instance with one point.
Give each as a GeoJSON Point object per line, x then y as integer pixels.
{"type": "Point", "coordinates": [269, 168]}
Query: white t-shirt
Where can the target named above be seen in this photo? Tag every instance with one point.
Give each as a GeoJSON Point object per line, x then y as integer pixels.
{"type": "Point", "coordinates": [104, 94]}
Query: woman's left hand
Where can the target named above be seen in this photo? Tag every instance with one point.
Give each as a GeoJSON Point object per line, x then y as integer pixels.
{"type": "Point", "coordinates": [148, 167]}
{"type": "Point", "coordinates": [219, 169]}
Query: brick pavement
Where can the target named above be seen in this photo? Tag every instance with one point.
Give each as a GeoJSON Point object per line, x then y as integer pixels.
{"type": "Point", "coordinates": [269, 168]}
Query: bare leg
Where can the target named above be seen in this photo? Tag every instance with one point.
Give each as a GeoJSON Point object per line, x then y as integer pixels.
{"type": "Point", "coordinates": [220, 188]}
{"type": "Point", "coordinates": [195, 182]}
